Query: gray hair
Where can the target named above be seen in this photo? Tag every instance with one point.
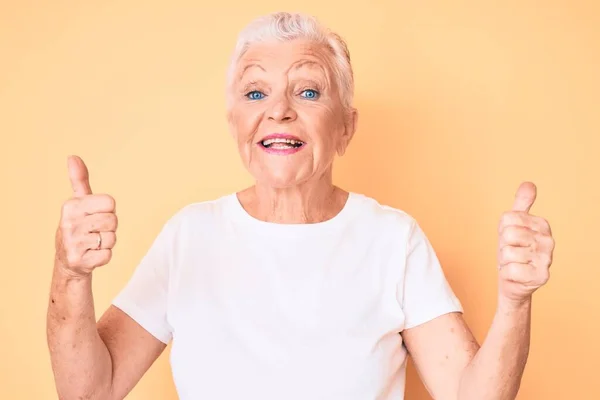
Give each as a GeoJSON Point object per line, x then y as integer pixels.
{"type": "Point", "coordinates": [284, 26]}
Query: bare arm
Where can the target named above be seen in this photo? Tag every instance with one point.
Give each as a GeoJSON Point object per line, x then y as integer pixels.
{"type": "Point", "coordinates": [452, 366]}
{"type": "Point", "coordinates": [90, 360]}
{"type": "Point", "coordinates": [496, 371]}
{"type": "Point", "coordinates": [441, 349]}
{"type": "Point", "coordinates": [81, 362]}
{"type": "Point", "coordinates": [444, 350]}
{"type": "Point", "coordinates": [133, 350]}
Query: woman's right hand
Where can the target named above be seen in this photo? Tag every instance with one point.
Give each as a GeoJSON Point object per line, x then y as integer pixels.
{"type": "Point", "coordinates": [86, 232]}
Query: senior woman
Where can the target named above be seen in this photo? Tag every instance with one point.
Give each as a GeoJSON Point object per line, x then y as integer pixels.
{"type": "Point", "coordinates": [292, 288]}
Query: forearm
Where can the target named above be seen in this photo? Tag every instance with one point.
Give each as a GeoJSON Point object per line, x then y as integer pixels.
{"type": "Point", "coordinates": [496, 370]}
{"type": "Point", "coordinates": [80, 360]}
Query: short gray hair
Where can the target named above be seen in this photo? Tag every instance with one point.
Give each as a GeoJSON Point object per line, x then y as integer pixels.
{"type": "Point", "coordinates": [285, 26]}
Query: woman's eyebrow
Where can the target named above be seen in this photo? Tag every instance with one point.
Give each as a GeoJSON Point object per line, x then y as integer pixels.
{"type": "Point", "coordinates": [247, 67]}
{"type": "Point", "coordinates": [309, 63]}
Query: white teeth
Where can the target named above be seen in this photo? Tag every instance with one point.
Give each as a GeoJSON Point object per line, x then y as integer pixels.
{"type": "Point", "coordinates": [280, 140]}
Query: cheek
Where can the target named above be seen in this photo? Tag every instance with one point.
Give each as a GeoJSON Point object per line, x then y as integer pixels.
{"type": "Point", "coordinates": [245, 123]}
{"type": "Point", "coordinates": [324, 126]}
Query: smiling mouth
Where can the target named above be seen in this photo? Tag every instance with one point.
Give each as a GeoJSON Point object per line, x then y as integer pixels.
{"type": "Point", "coordinates": [281, 143]}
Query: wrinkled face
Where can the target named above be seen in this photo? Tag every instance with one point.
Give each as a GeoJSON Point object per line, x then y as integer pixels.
{"type": "Point", "coordinates": [286, 114]}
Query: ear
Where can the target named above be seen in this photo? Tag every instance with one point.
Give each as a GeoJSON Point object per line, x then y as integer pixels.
{"type": "Point", "coordinates": [350, 123]}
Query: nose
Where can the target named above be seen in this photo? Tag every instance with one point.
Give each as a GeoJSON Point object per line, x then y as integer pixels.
{"type": "Point", "coordinates": [281, 110]}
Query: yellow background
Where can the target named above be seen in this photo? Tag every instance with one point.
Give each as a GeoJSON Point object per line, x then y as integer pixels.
{"type": "Point", "coordinates": [459, 102]}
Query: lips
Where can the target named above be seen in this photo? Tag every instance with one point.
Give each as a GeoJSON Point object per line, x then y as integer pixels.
{"type": "Point", "coordinates": [281, 141]}
{"type": "Point", "coordinates": [281, 144]}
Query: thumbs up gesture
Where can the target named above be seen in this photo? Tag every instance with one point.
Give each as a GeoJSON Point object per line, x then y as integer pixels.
{"type": "Point", "coordinates": [86, 232]}
{"type": "Point", "coordinates": [525, 248]}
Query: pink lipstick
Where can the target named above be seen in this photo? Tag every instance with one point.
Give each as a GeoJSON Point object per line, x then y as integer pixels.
{"type": "Point", "coordinates": [281, 144]}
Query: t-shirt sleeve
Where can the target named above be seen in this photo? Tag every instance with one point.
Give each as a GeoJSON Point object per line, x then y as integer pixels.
{"type": "Point", "coordinates": [144, 297]}
{"type": "Point", "coordinates": [424, 293]}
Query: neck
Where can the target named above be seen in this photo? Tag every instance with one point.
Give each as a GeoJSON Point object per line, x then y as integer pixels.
{"type": "Point", "coordinates": [310, 202]}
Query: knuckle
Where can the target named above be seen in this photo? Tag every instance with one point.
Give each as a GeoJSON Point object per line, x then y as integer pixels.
{"type": "Point", "coordinates": [506, 255]}
{"type": "Point", "coordinates": [510, 219]}
{"type": "Point", "coordinates": [504, 220]}
{"type": "Point", "coordinates": [511, 268]}
{"type": "Point", "coordinates": [73, 258]}
{"type": "Point", "coordinates": [501, 257]}
{"type": "Point", "coordinates": [544, 241]}
{"type": "Point", "coordinates": [544, 276]}
{"type": "Point", "coordinates": [109, 239]}
{"type": "Point", "coordinates": [544, 222]}
{"type": "Point", "coordinates": [506, 252]}
{"type": "Point", "coordinates": [69, 207]}
{"type": "Point", "coordinates": [104, 257]}
{"type": "Point", "coordinates": [509, 233]}
{"type": "Point", "coordinates": [110, 201]}
{"type": "Point", "coordinates": [546, 260]}
{"type": "Point", "coordinates": [67, 225]}
{"type": "Point", "coordinates": [510, 271]}
{"type": "Point", "coordinates": [113, 221]}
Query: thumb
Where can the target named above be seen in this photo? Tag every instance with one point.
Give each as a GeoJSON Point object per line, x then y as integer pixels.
{"type": "Point", "coordinates": [79, 176]}
{"type": "Point", "coordinates": [525, 197]}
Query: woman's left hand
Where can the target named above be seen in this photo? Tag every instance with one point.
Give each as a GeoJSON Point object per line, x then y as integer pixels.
{"type": "Point", "coordinates": [524, 250]}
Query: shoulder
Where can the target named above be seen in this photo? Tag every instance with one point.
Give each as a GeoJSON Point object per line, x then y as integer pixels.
{"type": "Point", "coordinates": [383, 217]}
{"type": "Point", "coordinates": [198, 214]}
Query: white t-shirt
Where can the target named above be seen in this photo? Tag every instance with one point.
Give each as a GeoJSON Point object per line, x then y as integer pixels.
{"type": "Point", "coordinates": [267, 311]}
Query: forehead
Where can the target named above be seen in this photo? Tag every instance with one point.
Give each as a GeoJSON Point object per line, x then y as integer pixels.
{"type": "Point", "coordinates": [276, 55]}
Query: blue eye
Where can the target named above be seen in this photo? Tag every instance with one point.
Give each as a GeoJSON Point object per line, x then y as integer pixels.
{"type": "Point", "coordinates": [310, 94]}
{"type": "Point", "coordinates": [255, 95]}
